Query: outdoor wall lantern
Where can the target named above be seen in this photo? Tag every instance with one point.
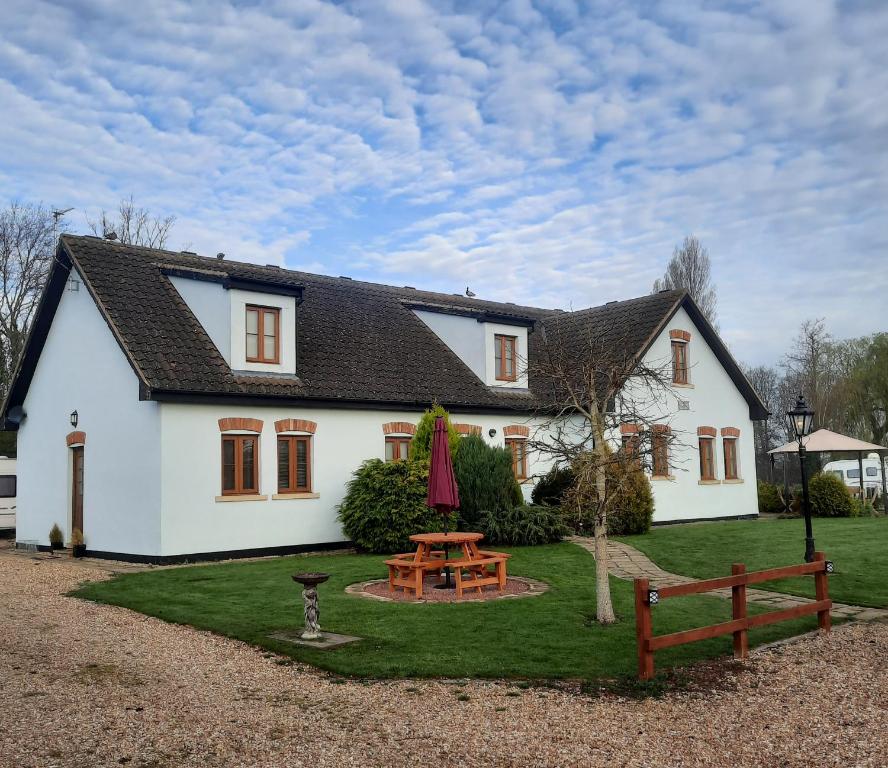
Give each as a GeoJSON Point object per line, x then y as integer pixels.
{"type": "Point", "coordinates": [801, 421]}
{"type": "Point", "coordinates": [491, 432]}
{"type": "Point", "coordinates": [653, 596]}
{"type": "Point", "coordinates": [74, 419]}
{"type": "Point", "coordinates": [829, 566]}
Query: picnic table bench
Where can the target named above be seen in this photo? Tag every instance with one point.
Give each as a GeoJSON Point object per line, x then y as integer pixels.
{"type": "Point", "coordinates": [475, 569]}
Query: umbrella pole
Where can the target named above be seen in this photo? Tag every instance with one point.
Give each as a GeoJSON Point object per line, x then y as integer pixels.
{"type": "Point", "coordinates": [447, 582]}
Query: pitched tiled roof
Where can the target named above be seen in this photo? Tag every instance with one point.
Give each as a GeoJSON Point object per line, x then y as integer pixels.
{"type": "Point", "coordinates": [357, 342]}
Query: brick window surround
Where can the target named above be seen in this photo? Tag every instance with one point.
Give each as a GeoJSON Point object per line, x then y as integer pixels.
{"type": "Point", "coordinates": [399, 428]}
{"type": "Point", "coordinates": [240, 424]}
{"type": "Point", "coordinates": [516, 430]}
{"type": "Point", "coordinates": [295, 425]}
{"type": "Point", "coordinates": [75, 438]}
{"type": "Point", "coordinates": [680, 335]}
{"type": "Point", "coordinates": [629, 429]}
{"type": "Point", "coordinates": [467, 429]}
{"type": "Point", "coordinates": [706, 432]}
{"type": "Point", "coordinates": [730, 432]}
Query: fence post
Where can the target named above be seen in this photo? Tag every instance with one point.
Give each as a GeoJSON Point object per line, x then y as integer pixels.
{"type": "Point", "coordinates": [738, 611]}
{"type": "Point", "coordinates": [643, 630]}
{"type": "Point", "coordinates": [821, 592]}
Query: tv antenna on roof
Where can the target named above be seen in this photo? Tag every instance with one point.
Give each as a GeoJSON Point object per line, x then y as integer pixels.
{"type": "Point", "coordinates": [56, 215]}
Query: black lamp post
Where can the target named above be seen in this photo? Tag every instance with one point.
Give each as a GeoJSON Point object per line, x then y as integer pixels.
{"type": "Point", "coordinates": [801, 421]}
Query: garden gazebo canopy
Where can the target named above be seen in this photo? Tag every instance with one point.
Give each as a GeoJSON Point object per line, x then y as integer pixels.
{"type": "Point", "coordinates": [826, 441]}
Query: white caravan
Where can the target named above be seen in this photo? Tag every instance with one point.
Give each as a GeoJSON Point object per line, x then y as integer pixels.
{"type": "Point", "coordinates": [848, 470]}
{"type": "Point", "coordinates": [7, 493]}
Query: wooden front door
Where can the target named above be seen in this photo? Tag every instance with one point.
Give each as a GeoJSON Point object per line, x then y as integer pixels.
{"type": "Point", "coordinates": [77, 489]}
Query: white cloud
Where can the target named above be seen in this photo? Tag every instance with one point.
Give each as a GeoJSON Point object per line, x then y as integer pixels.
{"type": "Point", "coordinates": [545, 154]}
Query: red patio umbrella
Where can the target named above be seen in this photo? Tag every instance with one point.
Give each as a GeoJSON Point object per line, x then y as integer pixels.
{"type": "Point", "coordinates": [443, 494]}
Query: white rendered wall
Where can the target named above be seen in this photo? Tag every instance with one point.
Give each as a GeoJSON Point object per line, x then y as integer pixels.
{"type": "Point", "coordinates": [211, 305]}
{"type": "Point", "coordinates": [82, 368]}
{"type": "Point", "coordinates": [464, 335]}
{"type": "Point", "coordinates": [194, 521]}
{"type": "Point", "coordinates": [714, 401]}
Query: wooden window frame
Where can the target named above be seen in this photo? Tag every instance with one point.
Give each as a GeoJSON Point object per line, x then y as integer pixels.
{"type": "Point", "coordinates": [659, 454]}
{"type": "Point", "coordinates": [262, 312]}
{"type": "Point", "coordinates": [499, 342]}
{"type": "Point", "coordinates": [397, 441]}
{"type": "Point", "coordinates": [512, 444]}
{"type": "Point", "coordinates": [239, 488]}
{"type": "Point", "coordinates": [732, 470]}
{"type": "Point", "coordinates": [680, 374]}
{"type": "Point", "coordinates": [707, 458]}
{"type": "Point", "coordinates": [292, 441]}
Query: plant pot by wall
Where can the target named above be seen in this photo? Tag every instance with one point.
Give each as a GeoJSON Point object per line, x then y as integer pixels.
{"type": "Point", "coordinates": [78, 550]}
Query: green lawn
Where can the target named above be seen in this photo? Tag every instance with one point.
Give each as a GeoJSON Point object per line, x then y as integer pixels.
{"type": "Point", "coordinates": [550, 636]}
{"type": "Point", "coordinates": [857, 546]}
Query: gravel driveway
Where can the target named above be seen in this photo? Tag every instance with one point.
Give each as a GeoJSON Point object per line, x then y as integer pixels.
{"type": "Point", "coordinates": [91, 685]}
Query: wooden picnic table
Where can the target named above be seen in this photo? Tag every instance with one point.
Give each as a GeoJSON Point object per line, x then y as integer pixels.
{"type": "Point", "coordinates": [407, 570]}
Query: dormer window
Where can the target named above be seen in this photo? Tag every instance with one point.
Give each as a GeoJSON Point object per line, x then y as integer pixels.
{"type": "Point", "coordinates": [263, 334]}
{"type": "Point", "coordinates": [505, 351]}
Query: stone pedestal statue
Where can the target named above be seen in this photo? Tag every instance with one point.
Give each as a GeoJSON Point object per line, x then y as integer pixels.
{"type": "Point", "coordinates": [309, 582]}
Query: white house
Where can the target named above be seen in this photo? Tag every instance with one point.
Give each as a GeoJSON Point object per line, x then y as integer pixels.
{"type": "Point", "coordinates": [174, 406]}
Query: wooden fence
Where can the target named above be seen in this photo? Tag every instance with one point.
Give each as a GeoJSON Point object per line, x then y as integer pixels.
{"type": "Point", "coordinates": [740, 623]}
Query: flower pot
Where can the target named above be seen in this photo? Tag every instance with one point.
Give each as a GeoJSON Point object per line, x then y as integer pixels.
{"type": "Point", "coordinates": [78, 550]}
{"type": "Point", "coordinates": [54, 545]}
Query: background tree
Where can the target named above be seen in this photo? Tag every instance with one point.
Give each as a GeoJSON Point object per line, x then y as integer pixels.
{"type": "Point", "coordinates": [27, 242]}
{"type": "Point", "coordinates": [690, 268]}
{"type": "Point", "coordinates": [133, 225]}
{"type": "Point", "coordinates": [591, 384]}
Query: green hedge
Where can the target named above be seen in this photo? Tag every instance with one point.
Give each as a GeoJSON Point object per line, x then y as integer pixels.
{"type": "Point", "coordinates": [385, 503]}
{"type": "Point", "coordinates": [769, 498]}
{"type": "Point", "coordinates": [523, 525]}
{"type": "Point", "coordinates": [632, 509]}
{"type": "Point", "coordinates": [421, 445]}
{"type": "Point", "coordinates": [829, 496]}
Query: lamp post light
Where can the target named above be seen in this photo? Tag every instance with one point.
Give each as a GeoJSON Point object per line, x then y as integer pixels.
{"type": "Point", "coordinates": [801, 421]}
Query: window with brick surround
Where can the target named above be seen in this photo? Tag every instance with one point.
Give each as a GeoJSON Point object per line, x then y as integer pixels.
{"type": "Point", "coordinates": [660, 453]}
{"type": "Point", "coordinates": [240, 465]}
{"type": "Point", "coordinates": [263, 334]}
{"type": "Point", "coordinates": [679, 362]}
{"type": "Point", "coordinates": [707, 458]}
{"type": "Point", "coordinates": [505, 352]}
{"type": "Point", "coordinates": [294, 463]}
{"type": "Point", "coordinates": [519, 457]}
{"type": "Point", "coordinates": [729, 445]}
{"type": "Point", "coordinates": [397, 448]}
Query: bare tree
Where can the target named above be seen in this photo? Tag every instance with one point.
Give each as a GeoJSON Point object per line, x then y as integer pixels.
{"type": "Point", "coordinates": [591, 382]}
{"type": "Point", "coordinates": [132, 225]}
{"type": "Point", "coordinates": [27, 241]}
{"type": "Point", "coordinates": [690, 268]}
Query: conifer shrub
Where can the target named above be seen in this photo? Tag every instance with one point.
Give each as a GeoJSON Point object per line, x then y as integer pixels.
{"type": "Point", "coordinates": [421, 445]}
{"type": "Point", "coordinates": [485, 479]}
{"type": "Point", "coordinates": [385, 503]}
{"type": "Point", "coordinates": [56, 538]}
{"type": "Point", "coordinates": [552, 486]}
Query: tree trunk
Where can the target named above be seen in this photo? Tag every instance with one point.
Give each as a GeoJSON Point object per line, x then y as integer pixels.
{"type": "Point", "coordinates": [604, 607]}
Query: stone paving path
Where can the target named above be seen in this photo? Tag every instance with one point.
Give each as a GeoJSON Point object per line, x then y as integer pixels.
{"type": "Point", "coordinates": [628, 563]}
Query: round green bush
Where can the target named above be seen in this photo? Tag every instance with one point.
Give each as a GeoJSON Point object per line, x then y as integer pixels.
{"type": "Point", "coordinates": [385, 504]}
{"type": "Point", "coordinates": [523, 525]}
{"type": "Point", "coordinates": [769, 502]}
{"type": "Point", "coordinates": [552, 486]}
{"type": "Point", "coordinates": [829, 496]}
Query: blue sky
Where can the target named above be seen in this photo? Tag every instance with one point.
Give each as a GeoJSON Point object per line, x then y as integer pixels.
{"type": "Point", "coordinates": [547, 152]}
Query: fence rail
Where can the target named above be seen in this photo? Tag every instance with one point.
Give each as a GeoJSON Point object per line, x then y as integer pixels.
{"type": "Point", "coordinates": [740, 623]}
